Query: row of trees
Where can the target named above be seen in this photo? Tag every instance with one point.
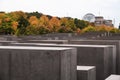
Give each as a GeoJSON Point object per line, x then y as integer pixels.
{"type": "Point", "coordinates": [21, 23]}
{"type": "Point", "coordinates": [101, 28]}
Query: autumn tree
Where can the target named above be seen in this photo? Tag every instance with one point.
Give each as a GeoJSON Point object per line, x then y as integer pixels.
{"type": "Point", "coordinates": [44, 26]}
{"type": "Point", "coordinates": [0, 21]}
{"type": "Point", "coordinates": [17, 15]}
{"type": "Point", "coordinates": [54, 24]}
{"type": "Point", "coordinates": [114, 30]}
{"type": "Point", "coordinates": [33, 21]}
{"type": "Point", "coordinates": [38, 26]}
{"type": "Point", "coordinates": [14, 25]}
{"type": "Point", "coordinates": [2, 15]}
{"type": "Point", "coordinates": [31, 30]}
{"type": "Point", "coordinates": [71, 24]}
{"type": "Point", "coordinates": [63, 21]}
{"type": "Point", "coordinates": [5, 24]}
{"type": "Point", "coordinates": [102, 28]}
{"type": "Point", "coordinates": [44, 21]}
{"type": "Point", "coordinates": [89, 29]}
{"type": "Point", "coordinates": [65, 25]}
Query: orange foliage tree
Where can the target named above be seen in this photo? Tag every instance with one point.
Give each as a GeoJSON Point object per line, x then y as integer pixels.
{"type": "Point", "coordinates": [44, 20]}
{"type": "Point", "coordinates": [54, 24]}
{"type": "Point", "coordinates": [33, 21]}
{"type": "Point", "coordinates": [14, 25]}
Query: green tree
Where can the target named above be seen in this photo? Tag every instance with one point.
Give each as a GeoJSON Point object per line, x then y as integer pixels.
{"type": "Point", "coordinates": [22, 24]}
{"type": "Point", "coordinates": [32, 30]}
{"type": "Point", "coordinates": [43, 30]}
{"type": "Point", "coordinates": [71, 24]}
{"type": "Point", "coordinates": [114, 30]}
{"type": "Point", "coordinates": [5, 28]}
{"type": "Point", "coordinates": [81, 23]}
{"type": "Point", "coordinates": [37, 14]}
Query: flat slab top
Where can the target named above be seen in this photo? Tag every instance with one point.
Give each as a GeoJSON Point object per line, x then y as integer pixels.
{"type": "Point", "coordinates": [113, 77]}
{"type": "Point", "coordinates": [97, 40]}
{"type": "Point", "coordinates": [65, 45]}
{"type": "Point", "coordinates": [50, 40]}
{"type": "Point", "coordinates": [6, 41]}
{"type": "Point", "coordinates": [74, 45]}
{"type": "Point", "coordinates": [34, 43]}
{"type": "Point", "coordinates": [85, 67]}
{"type": "Point", "coordinates": [34, 48]}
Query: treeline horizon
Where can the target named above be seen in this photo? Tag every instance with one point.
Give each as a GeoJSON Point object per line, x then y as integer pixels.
{"type": "Point", "coordinates": [35, 23]}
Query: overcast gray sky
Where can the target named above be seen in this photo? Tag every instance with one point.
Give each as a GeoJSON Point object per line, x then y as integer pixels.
{"type": "Point", "coordinates": [109, 9]}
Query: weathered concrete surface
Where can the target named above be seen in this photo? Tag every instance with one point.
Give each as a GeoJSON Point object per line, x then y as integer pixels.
{"type": "Point", "coordinates": [37, 63]}
{"type": "Point", "coordinates": [6, 43]}
{"type": "Point", "coordinates": [34, 44]}
{"type": "Point", "coordinates": [47, 41]}
{"type": "Point", "coordinates": [86, 73]}
{"type": "Point", "coordinates": [100, 56]}
{"type": "Point", "coordinates": [103, 42]}
{"type": "Point", "coordinates": [95, 55]}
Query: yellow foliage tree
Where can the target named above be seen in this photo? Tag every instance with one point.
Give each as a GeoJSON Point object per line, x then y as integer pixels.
{"type": "Point", "coordinates": [89, 29]}
{"type": "Point", "coordinates": [44, 20]}
{"type": "Point", "coordinates": [17, 14]}
{"type": "Point", "coordinates": [103, 28]}
{"type": "Point", "coordinates": [54, 24]}
{"type": "Point", "coordinates": [14, 25]}
{"type": "Point", "coordinates": [63, 21]}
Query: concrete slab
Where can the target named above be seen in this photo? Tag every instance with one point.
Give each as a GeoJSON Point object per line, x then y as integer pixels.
{"type": "Point", "coordinates": [100, 56]}
{"type": "Point", "coordinates": [103, 42]}
{"type": "Point", "coordinates": [33, 44]}
{"type": "Point", "coordinates": [113, 77]}
{"type": "Point", "coordinates": [48, 41]}
{"type": "Point", "coordinates": [37, 63]}
{"type": "Point", "coordinates": [86, 73]}
{"type": "Point", "coordinates": [6, 43]}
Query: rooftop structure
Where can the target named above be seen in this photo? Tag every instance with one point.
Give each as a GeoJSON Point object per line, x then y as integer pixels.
{"type": "Point", "coordinates": [97, 20]}
{"type": "Point", "coordinates": [89, 17]}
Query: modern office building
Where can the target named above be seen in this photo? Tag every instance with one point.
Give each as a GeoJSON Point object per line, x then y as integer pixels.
{"type": "Point", "coordinates": [98, 20]}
